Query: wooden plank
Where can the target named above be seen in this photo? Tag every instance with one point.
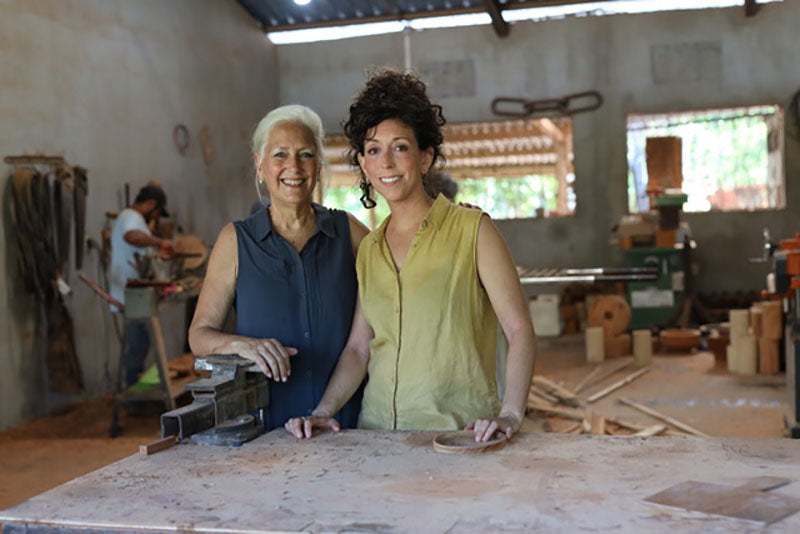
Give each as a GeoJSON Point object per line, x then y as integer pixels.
{"type": "Point", "coordinates": [158, 445]}
{"type": "Point", "coordinates": [563, 394]}
{"type": "Point", "coordinates": [617, 367]}
{"type": "Point", "coordinates": [544, 395]}
{"type": "Point", "coordinates": [573, 429]}
{"type": "Point", "coordinates": [569, 413]}
{"type": "Point", "coordinates": [161, 355]}
{"type": "Point", "coordinates": [651, 431]}
{"type": "Point", "coordinates": [638, 427]}
{"type": "Point", "coordinates": [586, 379]}
{"type": "Point", "coordinates": [729, 501]}
{"type": "Point", "coordinates": [665, 418]}
{"type": "Point", "coordinates": [616, 385]}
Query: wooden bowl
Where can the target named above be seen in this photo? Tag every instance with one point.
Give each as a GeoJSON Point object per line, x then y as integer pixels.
{"type": "Point", "coordinates": [463, 442]}
{"type": "Point", "coordinates": [679, 339]}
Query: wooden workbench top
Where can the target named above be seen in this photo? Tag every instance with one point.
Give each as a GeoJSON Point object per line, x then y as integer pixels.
{"type": "Point", "coordinates": [363, 481]}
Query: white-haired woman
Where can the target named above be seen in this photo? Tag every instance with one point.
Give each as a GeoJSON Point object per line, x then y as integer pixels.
{"type": "Point", "coordinates": [289, 272]}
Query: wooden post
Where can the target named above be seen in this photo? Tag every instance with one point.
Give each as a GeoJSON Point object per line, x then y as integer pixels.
{"type": "Point", "coordinates": [161, 354]}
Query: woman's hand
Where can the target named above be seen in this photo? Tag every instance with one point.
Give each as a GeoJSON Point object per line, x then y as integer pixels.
{"type": "Point", "coordinates": [505, 423]}
{"type": "Point", "coordinates": [302, 427]}
{"type": "Point", "coordinates": [269, 354]}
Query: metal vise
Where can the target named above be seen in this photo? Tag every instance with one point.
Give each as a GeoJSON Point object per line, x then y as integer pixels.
{"type": "Point", "coordinates": [220, 411]}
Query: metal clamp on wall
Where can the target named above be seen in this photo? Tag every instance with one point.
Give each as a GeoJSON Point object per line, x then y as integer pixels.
{"type": "Point", "coordinates": [547, 107]}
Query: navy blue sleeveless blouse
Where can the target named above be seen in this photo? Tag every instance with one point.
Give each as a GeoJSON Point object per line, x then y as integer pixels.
{"type": "Point", "coordinates": [304, 300]}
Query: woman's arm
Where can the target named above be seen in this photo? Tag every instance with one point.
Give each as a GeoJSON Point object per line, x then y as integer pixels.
{"type": "Point", "coordinates": [345, 380]}
{"type": "Point", "coordinates": [501, 281]}
{"type": "Point", "coordinates": [216, 297]}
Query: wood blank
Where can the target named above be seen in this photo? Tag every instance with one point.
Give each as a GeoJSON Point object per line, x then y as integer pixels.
{"type": "Point", "coordinates": [616, 385]}
{"type": "Point", "coordinates": [158, 445]}
{"type": "Point", "coordinates": [664, 162]}
{"type": "Point", "coordinates": [772, 320]}
{"type": "Point", "coordinates": [665, 418]}
{"type": "Point", "coordinates": [769, 356]}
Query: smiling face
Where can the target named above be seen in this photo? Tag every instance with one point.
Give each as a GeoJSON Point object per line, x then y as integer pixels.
{"type": "Point", "coordinates": [289, 163]}
{"type": "Point", "coordinates": [393, 161]}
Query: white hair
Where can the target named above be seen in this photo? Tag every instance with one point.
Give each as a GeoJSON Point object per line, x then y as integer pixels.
{"type": "Point", "coordinates": [290, 113]}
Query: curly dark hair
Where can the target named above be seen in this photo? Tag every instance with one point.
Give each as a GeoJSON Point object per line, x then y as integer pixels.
{"type": "Point", "coordinates": [395, 95]}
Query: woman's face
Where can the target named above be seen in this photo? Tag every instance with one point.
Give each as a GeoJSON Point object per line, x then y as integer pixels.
{"type": "Point", "coordinates": [393, 161]}
{"type": "Point", "coordinates": [289, 163]}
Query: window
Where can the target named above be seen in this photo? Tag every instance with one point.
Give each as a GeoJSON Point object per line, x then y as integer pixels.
{"type": "Point", "coordinates": [510, 169]}
{"type": "Point", "coordinates": [723, 159]}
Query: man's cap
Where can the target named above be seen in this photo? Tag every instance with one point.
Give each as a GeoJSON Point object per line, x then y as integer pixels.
{"type": "Point", "coordinates": [154, 192]}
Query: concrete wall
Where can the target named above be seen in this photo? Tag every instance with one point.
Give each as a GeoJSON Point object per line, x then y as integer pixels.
{"type": "Point", "coordinates": [103, 83]}
{"type": "Point", "coordinates": [640, 63]}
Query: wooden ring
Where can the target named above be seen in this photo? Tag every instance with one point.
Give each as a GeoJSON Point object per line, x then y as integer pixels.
{"type": "Point", "coordinates": [463, 442]}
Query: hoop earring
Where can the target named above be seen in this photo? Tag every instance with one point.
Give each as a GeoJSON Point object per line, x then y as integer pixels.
{"type": "Point", "coordinates": [366, 200]}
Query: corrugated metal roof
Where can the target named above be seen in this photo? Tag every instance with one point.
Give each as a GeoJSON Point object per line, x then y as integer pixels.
{"type": "Point", "coordinates": [285, 14]}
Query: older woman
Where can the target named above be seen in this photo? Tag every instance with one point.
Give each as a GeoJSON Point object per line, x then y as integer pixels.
{"type": "Point", "coordinates": [288, 270]}
{"type": "Point", "coordinates": [434, 279]}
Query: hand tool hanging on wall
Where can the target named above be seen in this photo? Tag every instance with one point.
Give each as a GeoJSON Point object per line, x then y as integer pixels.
{"type": "Point", "coordinates": [42, 230]}
{"type": "Point", "coordinates": [81, 191]}
{"type": "Point", "coordinates": [547, 107]}
{"type": "Point", "coordinates": [63, 204]}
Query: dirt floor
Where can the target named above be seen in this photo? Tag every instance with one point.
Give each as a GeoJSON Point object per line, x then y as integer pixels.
{"type": "Point", "coordinates": [52, 450]}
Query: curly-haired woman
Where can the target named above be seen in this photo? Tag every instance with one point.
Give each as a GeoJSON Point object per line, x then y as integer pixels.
{"type": "Point", "coordinates": [434, 278]}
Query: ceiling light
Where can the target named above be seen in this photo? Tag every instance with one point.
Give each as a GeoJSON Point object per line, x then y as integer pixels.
{"type": "Point", "coordinates": [302, 2]}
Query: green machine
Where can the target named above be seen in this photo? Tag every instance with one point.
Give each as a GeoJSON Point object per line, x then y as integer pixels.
{"type": "Point", "coordinates": [655, 303]}
{"type": "Point", "coordinates": [658, 303]}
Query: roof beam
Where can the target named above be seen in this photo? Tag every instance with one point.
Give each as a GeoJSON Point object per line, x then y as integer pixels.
{"type": "Point", "coordinates": [501, 27]}
{"type": "Point", "coordinates": [751, 8]}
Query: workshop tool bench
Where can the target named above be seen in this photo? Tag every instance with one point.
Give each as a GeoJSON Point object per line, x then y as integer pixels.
{"type": "Point", "coordinates": [142, 304]}
{"type": "Point", "coordinates": [375, 481]}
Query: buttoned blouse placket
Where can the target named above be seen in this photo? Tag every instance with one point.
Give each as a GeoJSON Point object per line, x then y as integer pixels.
{"type": "Point", "coordinates": [303, 263]}
{"type": "Point", "coordinates": [398, 309]}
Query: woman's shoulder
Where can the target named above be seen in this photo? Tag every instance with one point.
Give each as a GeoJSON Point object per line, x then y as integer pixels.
{"type": "Point", "coordinates": [253, 225]}
{"type": "Point", "coordinates": [458, 215]}
{"type": "Point", "coordinates": [338, 216]}
{"type": "Point", "coordinates": [344, 219]}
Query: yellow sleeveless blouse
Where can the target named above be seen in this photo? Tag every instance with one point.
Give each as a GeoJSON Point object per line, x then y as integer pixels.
{"type": "Point", "coordinates": [432, 360]}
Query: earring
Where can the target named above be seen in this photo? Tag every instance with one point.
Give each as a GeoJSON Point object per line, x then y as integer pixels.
{"type": "Point", "coordinates": [366, 200]}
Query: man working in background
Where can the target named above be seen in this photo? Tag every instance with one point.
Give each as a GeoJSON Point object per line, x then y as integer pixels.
{"type": "Point", "coordinates": [131, 235]}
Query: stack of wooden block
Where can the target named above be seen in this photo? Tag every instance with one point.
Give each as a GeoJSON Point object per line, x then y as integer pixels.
{"type": "Point", "coordinates": [766, 321]}
{"type": "Point", "coordinates": [613, 315]}
{"type": "Point", "coordinates": [755, 338]}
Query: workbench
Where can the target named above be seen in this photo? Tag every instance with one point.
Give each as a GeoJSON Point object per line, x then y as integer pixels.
{"type": "Point", "coordinates": [369, 481]}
